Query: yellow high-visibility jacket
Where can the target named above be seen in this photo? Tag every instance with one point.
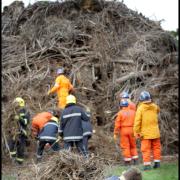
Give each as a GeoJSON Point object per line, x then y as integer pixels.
{"type": "Point", "coordinates": [62, 87]}
{"type": "Point", "coordinates": [146, 121]}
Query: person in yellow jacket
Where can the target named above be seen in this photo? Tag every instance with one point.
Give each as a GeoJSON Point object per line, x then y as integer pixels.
{"type": "Point", "coordinates": [62, 87]}
{"type": "Point", "coordinates": [147, 129]}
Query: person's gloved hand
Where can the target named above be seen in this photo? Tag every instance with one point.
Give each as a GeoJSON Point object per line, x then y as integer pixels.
{"type": "Point", "coordinates": [60, 134]}
{"type": "Point", "coordinates": [14, 138]}
{"type": "Point", "coordinates": [59, 137]}
{"type": "Point", "coordinates": [16, 117]}
{"type": "Point", "coordinates": [115, 137]}
{"type": "Point", "coordinates": [48, 92]}
{"type": "Point", "coordinates": [36, 138]}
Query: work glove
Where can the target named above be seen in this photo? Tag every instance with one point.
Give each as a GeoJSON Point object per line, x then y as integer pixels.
{"type": "Point", "coordinates": [36, 138]}
{"type": "Point", "coordinates": [16, 117]}
{"type": "Point", "coordinates": [48, 92]}
{"type": "Point", "coordinates": [115, 137]}
{"type": "Point", "coordinates": [59, 137]}
{"type": "Point", "coordinates": [14, 138]}
{"type": "Point", "coordinates": [22, 131]}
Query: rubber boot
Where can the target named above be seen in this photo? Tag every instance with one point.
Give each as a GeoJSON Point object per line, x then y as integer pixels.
{"type": "Point", "coordinates": [135, 162]}
{"type": "Point", "coordinates": [156, 165]}
{"type": "Point", "coordinates": [127, 163]}
{"type": "Point", "coordinates": [146, 168]}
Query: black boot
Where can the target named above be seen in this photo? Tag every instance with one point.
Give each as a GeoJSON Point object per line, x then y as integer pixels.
{"type": "Point", "coordinates": [135, 161]}
{"type": "Point", "coordinates": [127, 163]}
{"type": "Point", "coordinates": [156, 165]}
{"type": "Point", "coordinates": [147, 167]}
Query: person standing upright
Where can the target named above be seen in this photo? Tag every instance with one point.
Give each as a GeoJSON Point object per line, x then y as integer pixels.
{"type": "Point", "coordinates": [62, 87]}
{"type": "Point", "coordinates": [124, 127]}
{"type": "Point", "coordinates": [18, 143]}
{"type": "Point", "coordinates": [147, 129]}
{"type": "Point", "coordinates": [71, 125]}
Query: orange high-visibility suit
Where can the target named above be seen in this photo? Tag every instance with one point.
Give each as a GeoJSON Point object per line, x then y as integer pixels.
{"type": "Point", "coordinates": [124, 125]}
{"type": "Point", "coordinates": [146, 126]}
{"type": "Point", "coordinates": [39, 121]}
{"type": "Point", "coordinates": [131, 105]}
{"type": "Point", "coordinates": [62, 87]}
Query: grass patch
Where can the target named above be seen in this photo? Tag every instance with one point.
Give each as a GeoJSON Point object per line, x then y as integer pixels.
{"type": "Point", "coordinates": [168, 171]}
{"type": "Point", "coordinates": [8, 177]}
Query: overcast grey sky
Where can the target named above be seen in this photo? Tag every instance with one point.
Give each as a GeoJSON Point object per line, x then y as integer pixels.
{"type": "Point", "coordinates": [166, 10]}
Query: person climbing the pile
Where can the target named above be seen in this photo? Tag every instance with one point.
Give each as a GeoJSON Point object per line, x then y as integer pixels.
{"type": "Point", "coordinates": [147, 129]}
{"type": "Point", "coordinates": [125, 95]}
{"type": "Point", "coordinates": [71, 125]}
{"type": "Point", "coordinates": [62, 87]}
{"type": "Point", "coordinates": [19, 141]}
{"type": "Point", "coordinates": [48, 136]}
{"type": "Point", "coordinates": [124, 127]}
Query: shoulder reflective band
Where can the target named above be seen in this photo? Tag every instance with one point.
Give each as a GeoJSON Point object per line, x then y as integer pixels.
{"type": "Point", "coordinates": [72, 115]}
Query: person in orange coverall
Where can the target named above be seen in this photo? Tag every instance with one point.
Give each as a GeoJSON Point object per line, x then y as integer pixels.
{"type": "Point", "coordinates": [124, 126]}
{"type": "Point", "coordinates": [39, 121]}
{"type": "Point", "coordinates": [125, 95]}
{"type": "Point", "coordinates": [62, 87]}
{"type": "Point", "coordinates": [146, 128]}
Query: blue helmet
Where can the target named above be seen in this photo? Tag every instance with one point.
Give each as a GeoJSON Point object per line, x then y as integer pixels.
{"type": "Point", "coordinates": [144, 96]}
{"type": "Point", "coordinates": [124, 95]}
{"type": "Point", "coordinates": [123, 103]}
{"type": "Point", "coordinates": [60, 71]}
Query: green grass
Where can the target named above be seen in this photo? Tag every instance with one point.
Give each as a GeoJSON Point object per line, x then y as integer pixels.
{"type": "Point", "coordinates": [8, 177]}
{"type": "Point", "coordinates": [167, 171]}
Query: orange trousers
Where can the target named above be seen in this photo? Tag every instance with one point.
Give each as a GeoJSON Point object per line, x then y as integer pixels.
{"type": "Point", "coordinates": [149, 146]}
{"type": "Point", "coordinates": [128, 145]}
{"type": "Point", "coordinates": [62, 102]}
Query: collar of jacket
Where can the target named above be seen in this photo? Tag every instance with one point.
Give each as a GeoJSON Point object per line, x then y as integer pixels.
{"type": "Point", "coordinates": [124, 108]}
{"type": "Point", "coordinates": [147, 102]}
{"type": "Point", "coordinates": [55, 119]}
{"type": "Point", "coordinates": [70, 104]}
{"type": "Point", "coordinates": [52, 121]}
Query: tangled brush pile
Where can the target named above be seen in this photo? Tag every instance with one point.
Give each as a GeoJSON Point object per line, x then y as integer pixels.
{"type": "Point", "coordinates": [105, 48]}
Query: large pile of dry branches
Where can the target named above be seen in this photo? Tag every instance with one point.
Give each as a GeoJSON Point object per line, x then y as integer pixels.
{"type": "Point", "coordinates": [105, 48]}
{"type": "Point", "coordinates": [67, 165]}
